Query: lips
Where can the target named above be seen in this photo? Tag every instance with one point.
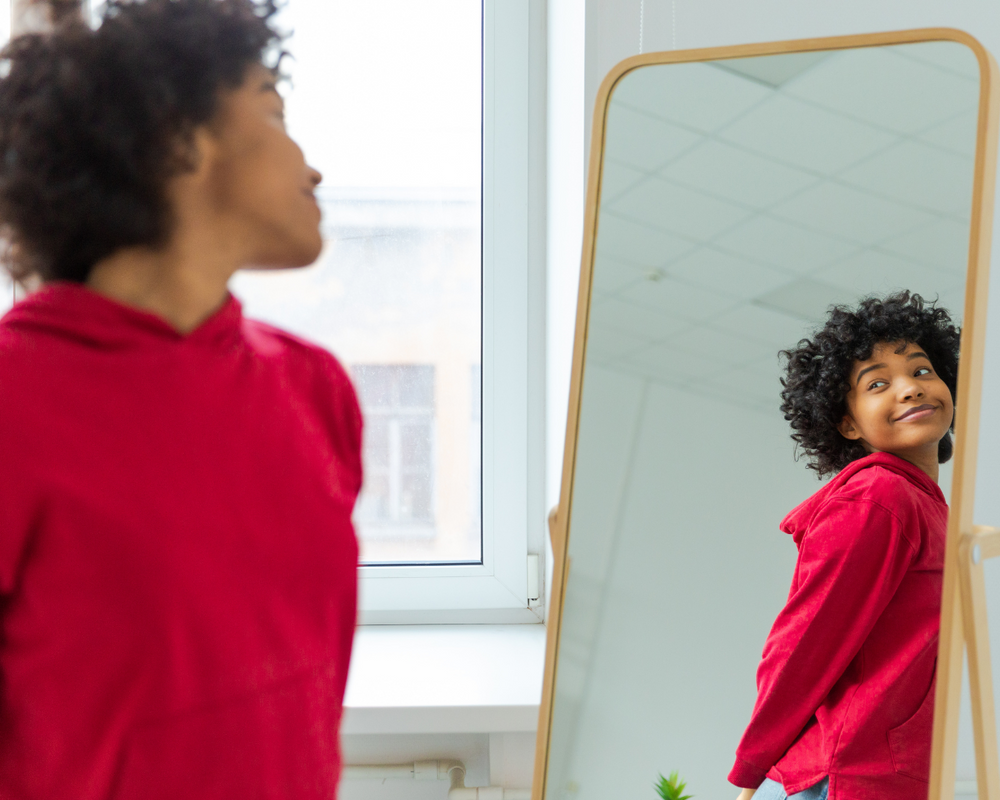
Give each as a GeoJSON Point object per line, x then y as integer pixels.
{"type": "Point", "coordinates": [922, 411]}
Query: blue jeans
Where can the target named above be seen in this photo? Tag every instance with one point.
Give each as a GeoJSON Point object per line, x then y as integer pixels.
{"type": "Point", "coordinates": [771, 790]}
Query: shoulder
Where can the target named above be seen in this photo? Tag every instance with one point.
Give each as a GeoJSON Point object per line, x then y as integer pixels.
{"type": "Point", "coordinates": [274, 344]}
{"type": "Point", "coordinates": [316, 379]}
{"type": "Point", "coordinates": [308, 369]}
{"type": "Point", "coordinates": [893, 490]}
{"type": "Point", "coordinates": [876, 483]}
{"type": "Point", "coordinates": [881, 497]}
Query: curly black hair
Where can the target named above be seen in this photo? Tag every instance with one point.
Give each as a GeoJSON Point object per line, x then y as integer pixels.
{"type": "Point", "coordinates": [94, 122]}
{"type": "Point", "coordinates": [813, 397]}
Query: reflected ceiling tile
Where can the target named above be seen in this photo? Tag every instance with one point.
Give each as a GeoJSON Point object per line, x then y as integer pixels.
{"type": "Point", "coordinates": [918, 174]}
{"type": "Point", "coordinates": [720, 346]}
{"type": "Point", "coordinates": [943, 244]}
{"type": "Point", "coordinates": [957, 135]}
{"type": "Point", "coordinates": [638, 244]}
{"type": "Point", "coordinates": [874, 272]}
{"type": "Point", "coordinates": [806, 299]}
{"type": "Point", "coordinates": [607, 344]}
{"type": "Point", "coordinates": [678, 300]}
{"type": "Point", "coordinates": [739, 399]}
{"type": "Point", "coordinates": [873, 85]}
{"type": "Point", "coordinates": [610, 275]}
{"type": "Point", "coordinates": [667, 362]}
{"type": "Point", "coordinates": [641, 141]}
{"type": "Point", "coordinates": [727, 274]}
{"type": "Point", "coordinates": [616, 178]}
{"type": "Point", "coordinates": [777, 330]}
{"type": "Point", "coordinates": [851, 214]}
{"type": "Point", "coordinates": [647, 324]}
{"type": "Point", "coordinates": [798, 133]}
{"type": "Point", "coordinates": [773, 70]}
{"type": "Point", "coordinates": [696, 95]}
{"type": "Point", "coordinates": [676, 208]}
{"type": "Point", "coordinates": [783, 244]}
{"type": "Point", "coordinates": [733, 173]}
{"type": "Point", "coordinates": [951, 56]}
{"type": "Point", "coordinates": [760, 382]}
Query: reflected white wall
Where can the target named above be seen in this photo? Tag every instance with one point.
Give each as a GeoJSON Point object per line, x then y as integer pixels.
{"type": "Point", "coordinates": [673, 584]}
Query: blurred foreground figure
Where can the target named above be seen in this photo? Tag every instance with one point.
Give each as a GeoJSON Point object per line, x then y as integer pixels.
{"type": "Point", "coordinates": [177, 562]}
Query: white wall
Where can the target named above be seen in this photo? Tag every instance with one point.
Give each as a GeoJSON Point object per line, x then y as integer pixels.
{"type": "Point", "coordinates": [678, 570]}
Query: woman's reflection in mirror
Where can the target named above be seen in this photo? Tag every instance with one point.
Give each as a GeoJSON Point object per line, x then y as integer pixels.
{"type": "Point", "coordinates": [845, 687]}
{"type": "Point", "coordinates": [177, 560]}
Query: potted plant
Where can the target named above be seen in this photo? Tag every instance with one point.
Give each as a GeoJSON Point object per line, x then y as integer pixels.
{"type": "Point", "coordinates": [671, 788]}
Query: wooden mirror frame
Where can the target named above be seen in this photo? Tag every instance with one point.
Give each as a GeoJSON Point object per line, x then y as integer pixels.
{"type": "Point", "coordinates": [970, 376]}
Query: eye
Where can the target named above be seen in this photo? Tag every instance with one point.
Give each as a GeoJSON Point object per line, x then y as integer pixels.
{"type": "Point", "coordinates": [877, 384]}
{"type": "Point", "coordinates": [923, 371]}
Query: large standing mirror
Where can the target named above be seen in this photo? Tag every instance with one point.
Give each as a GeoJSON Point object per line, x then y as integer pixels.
{"type": "Point", "coordinates": [734, 195]}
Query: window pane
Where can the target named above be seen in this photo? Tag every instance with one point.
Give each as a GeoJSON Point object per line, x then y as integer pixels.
{"type": "Point", "coordinates": [417, 391]}
{"type": "Point", "coordinates": [374, 385]}
{"type": "Point", "coordinates": [385, 99]}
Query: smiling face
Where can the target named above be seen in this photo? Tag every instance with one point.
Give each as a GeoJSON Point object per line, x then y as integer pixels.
{"type": "Point", "coordinates": [897, 404]}
{"type": "Point", "coordinates": [260, 183]}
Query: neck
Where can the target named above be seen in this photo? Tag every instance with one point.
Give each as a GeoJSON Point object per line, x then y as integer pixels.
{"type": "Point", "coordinates": [184, 285]}
{"type": "Point", "coordinates": [923, 459]}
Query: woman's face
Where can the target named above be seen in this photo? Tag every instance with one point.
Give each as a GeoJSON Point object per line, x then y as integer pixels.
{"type": "Point", "coordinates": [260, 183]}
{"type": "Point", "coordinates": [897, 403]}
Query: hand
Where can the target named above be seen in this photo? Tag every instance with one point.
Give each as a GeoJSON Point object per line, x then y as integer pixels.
{"type": "Point", "coordinates": [746, 794]}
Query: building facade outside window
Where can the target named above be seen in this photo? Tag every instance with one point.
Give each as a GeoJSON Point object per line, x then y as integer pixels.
{"type": "Point", "coordinates": [398, 496]}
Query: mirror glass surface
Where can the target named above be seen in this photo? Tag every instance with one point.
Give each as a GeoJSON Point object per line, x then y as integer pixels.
{"type": "Point", "coordinates": [739, 199]}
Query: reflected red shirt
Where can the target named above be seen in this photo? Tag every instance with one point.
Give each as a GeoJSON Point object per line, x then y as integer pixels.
{"type": "Point", "coordinates": [846, 683]}
{"type": "Point", "coordinates": [177, 561]}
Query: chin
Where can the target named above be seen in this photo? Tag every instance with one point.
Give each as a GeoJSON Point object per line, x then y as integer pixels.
{"type": "Point", "coordinates": [297, 254]}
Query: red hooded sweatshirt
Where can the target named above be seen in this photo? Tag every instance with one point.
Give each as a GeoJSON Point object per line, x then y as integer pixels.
{"type": "Point", "coordinates": [177, 562]}
{"type": "Point", "coordinates": [846, 683]}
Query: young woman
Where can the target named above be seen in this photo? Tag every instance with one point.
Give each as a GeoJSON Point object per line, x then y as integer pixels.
{"type": "Point", "coordinates": [846, 684]}
{"type": "Point", "coordinates": [177, 562]}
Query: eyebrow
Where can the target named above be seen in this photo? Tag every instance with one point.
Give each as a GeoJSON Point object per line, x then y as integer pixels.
{"type": "Point", "coordinates": [269, 85]}
{"type": "Point", "coordinates": [868, 369]}
{"type": "Point", "coordinates": [910, 357]}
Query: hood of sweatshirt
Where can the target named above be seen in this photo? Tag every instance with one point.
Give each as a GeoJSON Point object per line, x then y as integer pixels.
{"type": "Point", "coordinates": [799, 519]}
{"type": "Point", "coordinates": [72, 312]}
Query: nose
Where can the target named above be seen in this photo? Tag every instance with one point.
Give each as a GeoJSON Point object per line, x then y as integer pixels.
{"type": "Point", "coordinates": [315, 177]}
{"type": "Point", "coordinates": [910, 390]}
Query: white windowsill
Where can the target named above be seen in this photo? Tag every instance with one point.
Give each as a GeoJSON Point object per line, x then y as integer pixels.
{"type": "Point", "coordinates": [445, 679]}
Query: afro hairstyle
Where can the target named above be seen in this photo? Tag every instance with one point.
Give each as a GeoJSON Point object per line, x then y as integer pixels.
{"type": "Point", "coordinates": [95, 121]}
{"type": "Point", "coordinates": [816, 382]}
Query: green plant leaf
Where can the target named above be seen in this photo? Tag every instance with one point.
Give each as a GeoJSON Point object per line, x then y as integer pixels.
{"type": "Point", "coordinates": [671, 788]}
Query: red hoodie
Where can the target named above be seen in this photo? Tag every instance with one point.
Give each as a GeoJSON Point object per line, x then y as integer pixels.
{"type": "Point", "coordinates": [846, 683]}
{"type": "Point", "coordinates": [177, 562]}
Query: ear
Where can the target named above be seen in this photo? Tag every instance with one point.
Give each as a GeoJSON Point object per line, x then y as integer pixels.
{"type": "Point", "coordinates": [202, 150]}
{"type": "Point", "coordinates": [847, 428]}
{"type": "Point", "coordinates": [198, 153]}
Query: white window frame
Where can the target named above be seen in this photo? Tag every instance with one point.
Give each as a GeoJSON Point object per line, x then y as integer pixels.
{"type": "Point", "coordinates": [513, 353]}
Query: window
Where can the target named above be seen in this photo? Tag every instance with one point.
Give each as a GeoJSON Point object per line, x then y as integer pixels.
{"type": "Point", "coordinates": [417, 115]}
{"type": "Point", "coordinates": [397, 501]}
{"type": "Point", "coordinates": [397, 292]}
